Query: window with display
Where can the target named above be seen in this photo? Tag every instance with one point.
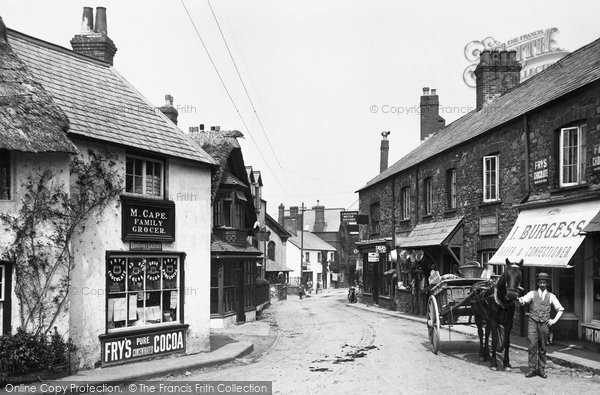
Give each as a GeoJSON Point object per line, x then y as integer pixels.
{"type": "Point", "coordinates": [142, 290]}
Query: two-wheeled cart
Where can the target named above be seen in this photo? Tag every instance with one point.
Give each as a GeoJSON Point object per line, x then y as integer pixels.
{"type": "Point", "coordinates": [451, 299]}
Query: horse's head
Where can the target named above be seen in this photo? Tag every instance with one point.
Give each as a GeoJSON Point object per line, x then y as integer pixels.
{"type": "Point", "coordinates": [511, 279]}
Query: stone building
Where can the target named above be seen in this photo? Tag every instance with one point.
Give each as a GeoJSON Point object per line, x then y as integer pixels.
{"type": "Point", "coordinates": [477, 189]}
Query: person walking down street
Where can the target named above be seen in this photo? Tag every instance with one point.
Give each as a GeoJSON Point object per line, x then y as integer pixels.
{"type": "Point", "coordinates": [540, 302]}
{"type": "Point", "coordinates": [309, 285]}
{"type": "Point", "coordinates": [318, 287]}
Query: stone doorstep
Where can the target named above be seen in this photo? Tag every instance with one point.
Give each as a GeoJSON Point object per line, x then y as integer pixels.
{"type": "Point", "coordinates": [121, 374]}
{"type": "Point", "coordinates": [570, 361]}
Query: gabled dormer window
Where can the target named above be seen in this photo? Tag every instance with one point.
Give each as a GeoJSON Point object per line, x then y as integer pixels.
{"type": "Point", "coordinates": [229, 210]}
{"type": "Point", "coordinates": [144, 176]}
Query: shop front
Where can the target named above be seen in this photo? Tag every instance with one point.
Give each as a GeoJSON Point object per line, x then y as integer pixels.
{"type": "Point", "coordinates": [378, 287]}
{"type": "Point", "coordinates": [431, 245]}
{"type": "Point", "coordinates": [554, 239]}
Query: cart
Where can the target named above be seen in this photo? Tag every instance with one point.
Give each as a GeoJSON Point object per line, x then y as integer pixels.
{"type": "Point", "coordinates": [451, 299]}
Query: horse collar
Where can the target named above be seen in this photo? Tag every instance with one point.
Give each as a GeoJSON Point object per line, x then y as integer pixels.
{"type": "Point", "coordinates": [497, 299]}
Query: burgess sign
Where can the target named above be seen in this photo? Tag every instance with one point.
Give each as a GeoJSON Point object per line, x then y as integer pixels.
{"type": "Point", "coordinates": [148, 220]}
{"type": "Point", "coordinates": [136, 346]}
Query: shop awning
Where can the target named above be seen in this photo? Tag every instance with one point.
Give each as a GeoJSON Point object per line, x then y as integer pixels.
{"type": "Point", "coordinates": [547, 236]}
{"type": "Point", "coordinates": [433, 234]}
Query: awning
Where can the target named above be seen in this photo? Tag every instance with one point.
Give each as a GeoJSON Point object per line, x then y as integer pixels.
{"type": "Point", "coordinates": [593, 225]}
{"type": "Point", "coordinates": [433, 234]}
{"type": "Point", "coordinates": [547, 236]}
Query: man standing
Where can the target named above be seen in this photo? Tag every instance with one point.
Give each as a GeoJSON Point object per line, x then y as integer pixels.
{"type": "Point", "coordinates": [539, 321]}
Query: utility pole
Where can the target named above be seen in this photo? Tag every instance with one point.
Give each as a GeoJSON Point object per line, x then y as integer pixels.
{"type": "Point", "coordinates": [301, 243]}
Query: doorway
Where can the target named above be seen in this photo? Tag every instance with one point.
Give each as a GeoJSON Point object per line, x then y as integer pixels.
{"type": "Point", "coordinates": [5, 297]}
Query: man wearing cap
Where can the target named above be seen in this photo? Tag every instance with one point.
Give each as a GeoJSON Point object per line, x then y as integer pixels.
{"type": "Point", "coordinates": [539, 321]}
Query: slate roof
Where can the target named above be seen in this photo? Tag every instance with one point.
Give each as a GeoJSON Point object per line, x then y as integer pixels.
{"type": "Point", "coordinates": [429, 234]}
{"type": "Point", "coordinates": [574, 71]}
{"type": "Point", "coordinates": [273, 266]}
{"type": "Point", "coordinates": [99, 103]}
{"type": "Point", "coordinates": [220, 246]}
{"type": "Point", "coordinates": [30, 120]}
{"type": "Point", "coordinates": [593, 225]}
{"type": "Point", "coordinates": [311, 242]}
{"type": "Point", "coordinates": [277, 227]}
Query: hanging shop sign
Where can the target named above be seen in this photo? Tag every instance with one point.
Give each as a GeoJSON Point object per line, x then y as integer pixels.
{"type": "Point", "coordinates": [373, 257]}
{"type": "Point", "coordinates": [119, 349]}
{"type": "Point", "coordinates": [592, 334]}
{"type": "Point", "coordinates": [148, 220]}
{"type": "Point", "coordinates": [380, 249]}
{"type": "Point", "coordinates": [488, 225]}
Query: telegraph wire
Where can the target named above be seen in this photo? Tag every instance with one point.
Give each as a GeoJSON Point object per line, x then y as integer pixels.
{"type": "Point", "coordinates": [227, 91]}
{"type": "Point", "coordinates": [246, 91]}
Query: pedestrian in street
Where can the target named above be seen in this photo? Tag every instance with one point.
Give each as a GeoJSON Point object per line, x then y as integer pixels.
{"type": "Point", "coordinates": [540, 302]}
{"type": "Point", "coordinates": [319, 286]}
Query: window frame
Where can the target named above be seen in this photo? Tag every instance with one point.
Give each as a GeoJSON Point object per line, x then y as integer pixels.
{"type": "Point", "coordinates": [580, 165]}
{"type": "Point", "coordinates": [374, 217]}
{"type": "Point", "coordinates": [179, 319]}
{"type": "Point", "coordinates": [428, 191]}
{"type": "Point", "coordinates": [7, 155]}
{"type": "Point", "coordinates": [496, 159]}
{"type": "Point", "coordinates": [144, 175]}
{"type": "Point", "coordinates": [271, 248]}
{"type": "Point", "coordinates": [405, 196]}
{"type": "Point", "coordinates": [485, 256]}
{"type": "Point", "coordinates": [451, 191]}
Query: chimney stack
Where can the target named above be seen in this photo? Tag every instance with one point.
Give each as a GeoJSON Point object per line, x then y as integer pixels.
{"type": "Point", "coordinates": [193, 129]}
{"type": "Point", "coordinates": [385, 148]}
{"type": "Point", "coordinates": [431, 121]}
{"type": "Point", "coordinates": [168, 109]}
{"type": "Point", "coordinates": [281, 214]}
{"type": "Point", "coordinates": [319, 218]}
{"type": "Point", "coordinates": [496, 73]}
{"type": "Point", "coordinates": [93, 40]}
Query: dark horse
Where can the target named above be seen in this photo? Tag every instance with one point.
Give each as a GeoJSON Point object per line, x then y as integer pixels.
{"type": "Point", "coordinates": [496, 306]}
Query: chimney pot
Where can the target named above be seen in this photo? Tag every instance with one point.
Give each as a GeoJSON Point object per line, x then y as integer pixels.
{"type": "Point", "coordinates": [201, 126]}
{"type": "Point", "coordinates": [101, 21]}
{"type": "Point", "coordinates": [385, 148]}
{"type": "Point", "coordinates": [168, 109]}
{"type": "Point", "coordinates": [433, 92]}
{"type": "Point", "coordinates": [484, 57]}
{"type": "Point", "coordinates": [430, 113]}
{"type": "Point", "coordinates": [425, 91]}
{"type": "Point", "coordinates": [193, 129]}
{"type": "Point", "coordinates": [168, 100]}
{"type": "Point", "coordinates": [87, 20]}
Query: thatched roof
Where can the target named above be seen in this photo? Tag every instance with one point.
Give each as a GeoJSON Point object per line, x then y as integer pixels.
{"type": "Point", "coordinates": [30, 121]}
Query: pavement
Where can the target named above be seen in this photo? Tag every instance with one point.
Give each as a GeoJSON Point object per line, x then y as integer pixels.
{"type": "Point", "coordinates": [572, 354]}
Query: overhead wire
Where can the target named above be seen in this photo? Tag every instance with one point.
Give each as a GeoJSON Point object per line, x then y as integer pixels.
{"type": "Point", "coordinates": [246, 89]}
{"type": "Point", "coordinates": [228, 92]}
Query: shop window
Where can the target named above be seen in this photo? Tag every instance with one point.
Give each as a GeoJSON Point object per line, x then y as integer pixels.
{"type": "Point", "coordinates": [142, 291]}
{"type": "Point", "coordinates": [572, 156]}
{"type": "Point", "coordinates": [451, 188]}
{"type": "Point", "coordinates": [428, 198]}
{"type": "Point", "coordinates": [485, 258]}
{"type": "Point", "coordinates": [5, 175]}
{"type": "Point", "coordinates": [144, 176]}
{"type": "Point", "coordinates": [405, 194]}
{"type": "Point", "coordinates": [271, 250]}
{"type": "Point", "coordinates": [491, 178]}
{"type": "Point", "coordinates": [374, 218]}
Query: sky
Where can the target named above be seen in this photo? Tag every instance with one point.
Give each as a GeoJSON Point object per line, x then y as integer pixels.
{"type": "Point", "coordinates": [312, 84]}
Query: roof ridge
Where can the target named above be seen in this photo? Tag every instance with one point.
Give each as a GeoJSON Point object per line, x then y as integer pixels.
{"type": "Point", "coordinates": [58, 48]}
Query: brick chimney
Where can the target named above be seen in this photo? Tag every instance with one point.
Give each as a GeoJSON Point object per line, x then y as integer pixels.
{"type": "Point", "coordinates": [385, 149]}
{"type": "Point", "coordinates": [169, 110]}
{"type": "Point", "coordinates": [94, 41]}
{"type": "Point", "coordinates": [281, 214]}
{"type": "Point", "coordinates": [319, 218]}
{"type": "Point", "coordinates": [431, 121]}
{"type": "Point", "coordinates": [496, 73]}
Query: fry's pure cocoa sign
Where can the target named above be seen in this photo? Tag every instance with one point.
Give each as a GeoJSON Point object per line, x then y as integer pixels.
{"type": "Point", "coordinates": [536, 51]}
{"type": "Point", "coordinates": [547, 236]}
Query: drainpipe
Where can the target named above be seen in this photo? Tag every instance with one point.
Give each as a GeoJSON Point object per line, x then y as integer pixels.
{"type": "Point", "coordinates": [522, 326]}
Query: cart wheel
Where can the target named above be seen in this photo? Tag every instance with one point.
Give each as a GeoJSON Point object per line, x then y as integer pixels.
{"type": "Point", "coordinates": [433, 324]}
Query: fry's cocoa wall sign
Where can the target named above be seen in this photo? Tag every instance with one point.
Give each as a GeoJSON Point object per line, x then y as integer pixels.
{"type": "Point", "coordinates": [148, 220]}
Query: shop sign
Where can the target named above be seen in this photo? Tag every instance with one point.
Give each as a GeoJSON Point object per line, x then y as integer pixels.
{"type": "Point", "coordinates": [380, 249]}
{"type": "Point", "coordinates": [137, 346]}
{"type": "Point", "coordinates": [488, 225]}
{"type": "Point", "coordinates": [592, 335]}
{"type": "Point", "coordinates": [373, 257]}
{"type": "Point", "coordinates": [348, 217]}
{"type": "Point", "coordinates": [540, 171]}
{"type": "Point", "coordinates": [145, 246]}
{"type": "Point", "coordinates": [596, 158]}
{"type": "Point", "coordinates": [148, 220]}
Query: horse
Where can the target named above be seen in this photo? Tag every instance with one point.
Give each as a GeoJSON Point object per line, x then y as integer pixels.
{"type": "Point", "coordinates": [496, 306]}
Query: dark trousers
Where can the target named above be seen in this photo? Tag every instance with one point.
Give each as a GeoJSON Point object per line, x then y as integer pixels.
{"type": "Point", "coordinates": [537, 335]}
